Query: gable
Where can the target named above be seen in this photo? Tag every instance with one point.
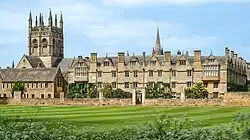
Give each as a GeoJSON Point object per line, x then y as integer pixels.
{"type": "Point", "coordinates": [24, 63]}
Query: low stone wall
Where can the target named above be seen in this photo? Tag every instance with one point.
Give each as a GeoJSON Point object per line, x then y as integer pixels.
{"type": "Point", "coordinates": [78, 102]}
{"type": "Point", "coordinates": [187, 102]}
{"type": "Point", "coordinates": [232, 99]}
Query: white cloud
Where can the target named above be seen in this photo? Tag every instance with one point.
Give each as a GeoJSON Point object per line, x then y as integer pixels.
{"type": "Point", "coordinates": [108, 29]}
{"type": "Point", "coordinates": [132, 3]}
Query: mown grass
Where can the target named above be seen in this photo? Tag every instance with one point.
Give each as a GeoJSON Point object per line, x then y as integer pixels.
{"type": "Point", "coordinates": [110, 117]}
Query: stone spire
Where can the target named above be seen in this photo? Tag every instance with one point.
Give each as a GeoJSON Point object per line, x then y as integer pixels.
{"type": "Point", "coordinates": [158, 50]}
{"type": "Point", "coordinates": [30, 20]}
{"type": "Point", "coordinates": [13, 64]}
{"type": "Point", "coordinates": [36, 21]}
{"type": "Point", "coordinates": [55, 20]}
{"type": "Point", "coordinates": [61, 21]}
{"type": "Point", "coordinates": [40, 19]}
{"type": "Point", "coordinates": [50, 20]}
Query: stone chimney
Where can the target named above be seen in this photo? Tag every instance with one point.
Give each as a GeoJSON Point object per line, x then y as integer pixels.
{"type": "Point", "coordinates": [232, 55]}
{"type": "Point", "coordinates": [121, 57]}
{"type": "Point", "coordinates": [167, 56]}
{"type": "Point", "coordinates": [93, 57]}
{"type": "Point", "coordinates": [144, 56]}
{"type": "Point", "coordinates": [197, 55]}
{"type": "Point", "coordinates": [227, 51]}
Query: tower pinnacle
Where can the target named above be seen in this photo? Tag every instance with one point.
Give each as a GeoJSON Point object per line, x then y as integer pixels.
{"type": "Point", "coordinates": [30, 20]}
{"type": "Point", "coordinates": [50, 18]}
{"type": "Point", "coordinates": [158, 50]}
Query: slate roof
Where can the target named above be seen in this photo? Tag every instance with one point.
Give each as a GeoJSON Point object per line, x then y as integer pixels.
{"type": "Point", "coordinates": [66, 62]}
{"type": "Point", "coordinates": [28, 74]}
{"type": "Point", "coordinates": [34, 61]}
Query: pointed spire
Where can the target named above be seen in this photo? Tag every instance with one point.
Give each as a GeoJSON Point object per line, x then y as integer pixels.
{"type": "Point", "coordinates": [36, 21]}
{"type": "Point", "coordinates": [133, 54]}
{"type": "Point", "coordinates": [40, 19]}
{"type": "Point", "coordinates": [56, 20]}
{"type": "Point", "coordinates": [13, 64]}
{"type": "Point", "coordinates": [158, 36]}
{"type": "Point", "coordinates": [153, 51]}
{"type": "Point", "coordinates": [106, 54]}
{"type": "Point", "coordinates": [61, 20]}
{"type": "Point", "coordinates": [50, 18]}
{"type": "Point", "coordinates": [30, 20]}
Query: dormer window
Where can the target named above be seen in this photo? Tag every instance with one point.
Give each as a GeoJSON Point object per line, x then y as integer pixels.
{"type": "Point", "coordinates": [182, 62]}
{"type": "Point", "coordinates": [106, 63]}
{"type": "Point", "coordinates": [152, 63]}
{"type": "Point", "coordinates": [132, 63]}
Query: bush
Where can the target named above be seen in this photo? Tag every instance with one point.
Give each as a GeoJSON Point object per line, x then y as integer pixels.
{"type": "Point", "coordinates": [163, 128]}
{"type": "Point", "coordinates": [197, 90]}
{"type": "Point", "coordinates": [108, 92]}
{"type": "Point", "coordinates": [159, 91]}
{"type": "Point", "coordinates": [236, 87]}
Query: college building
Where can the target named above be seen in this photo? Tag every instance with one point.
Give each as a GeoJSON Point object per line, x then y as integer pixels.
{"type": "Point", "coordinates": [46, 72]}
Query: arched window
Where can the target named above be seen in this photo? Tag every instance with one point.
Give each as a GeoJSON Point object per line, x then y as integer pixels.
{"type": "Point", "coordinates": [44, 46]}
{"type": "Point", "coordinates": [35, 43]}
{"type": "Point", "coordinates": [35, 47]}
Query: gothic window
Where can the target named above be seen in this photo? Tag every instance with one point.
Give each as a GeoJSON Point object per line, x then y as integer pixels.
{"type": "Point", "coordinates": [35, 43]}
{"type": "Point", "coordinates": [44, 46]}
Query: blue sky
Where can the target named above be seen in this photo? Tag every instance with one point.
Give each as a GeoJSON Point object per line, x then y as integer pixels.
{"type": "Point", "coordinates": [130, 25]}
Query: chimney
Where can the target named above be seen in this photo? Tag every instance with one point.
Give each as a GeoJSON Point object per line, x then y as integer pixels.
{"type": "Point", "coordinates": [235, 57]}
{"type": "Point", "coordinates": [93, 57]}
{"type": "Point", "coordinates": [227, 52]}
{"type": "Point", "coordinates": [144, 56]}
{"type": "Point", "coordinates": [186, 53]}
{"type": "Point", "coordinates": [232, 55]}
{"type": "Point", "coordinates": [121, 58]}
{"type": "Point", "coordinates": [167, 56]}
{"type": "Point", "coordinates": [79, 57]}
{"type": "Point", "coordinates": [197, 55]}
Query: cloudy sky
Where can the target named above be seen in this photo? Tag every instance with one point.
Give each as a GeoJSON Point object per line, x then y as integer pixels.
{"type": "Point", "coordinates": [130, 25]}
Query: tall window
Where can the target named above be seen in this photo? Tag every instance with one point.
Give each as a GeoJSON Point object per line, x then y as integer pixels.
{"type": "Point", "coordinates": [44, 46]}
{"type": "Point", "coordinates": [99, 74]}
{"type": "Point", "coordinates": [173, 72]}
{"type": "Point", "coordinates": [189, 73]}
{"type": "Point", "coordinates": [99, 84]}
{"type": "Point", "coordinates": [113, 84]}
{"type": "Point", "coordinates": [173, 85]}
{"type": "Point", "coordinates": [189, 84]}
{"type": "Point", "coordinates": [151, 73]}
{"type": "Point", "coordinates": [135, 73]}
{"type": "Point", "coordinates": [113, 73]}
{"type": "Point", "coordinates": [216, 84]}
{"type": "Point", "coordinates": [182, 62]}
{"type": "Point", "coordinates": [59, 82]}
{"type": "Point", "coordinates": [135, 84]}
{"type": "Point", "coordinates": [106, 63]}
{"type": "Point", "coordinates": [126, 85]}
{"type": "Point", "coordinates": [205, 85]}
{"type": "Point", "coordinates": [126, 73]}
{"type": "Point", "coordinates": [159, 73]}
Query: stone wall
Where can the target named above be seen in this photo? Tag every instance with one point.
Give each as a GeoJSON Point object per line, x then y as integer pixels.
{"type": "Point", "coordinates": [231, 99]}
{"type": "Point", "coordinates": [58, 101]}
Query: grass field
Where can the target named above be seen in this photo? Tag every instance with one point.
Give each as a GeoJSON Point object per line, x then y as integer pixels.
{"type": "Point", "coordinates": [110, 117]}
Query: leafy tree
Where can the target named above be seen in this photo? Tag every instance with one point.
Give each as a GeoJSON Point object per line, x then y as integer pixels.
{"type": "Point", "coordinates": [76, 90]}
{"type": "Point", "coordinates": [197, 90]}
{"type": "Point", "coordinates": [119, 93]}
{"type": "Point", "coordinates": [18, 86]}
{"type": "Point", "coordinates": [107, 91]}
{"type": "Point", "coordinates": [236, 87]}
{"type": "Point", "coordinates": [158, 91]}
{"type": "Point", "coordinates": [91, 91]}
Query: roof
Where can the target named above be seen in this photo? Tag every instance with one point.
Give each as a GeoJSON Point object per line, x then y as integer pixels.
{"type": "Point", "coordinates": [28, 74]}
{"type": "Point", "coordinates": [66, 62]}
{"type": "Point", "coordinates": [35, 61]}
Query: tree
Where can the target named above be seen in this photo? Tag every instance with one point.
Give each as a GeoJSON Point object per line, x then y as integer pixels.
{"type": "Point", "coordinates": [158, 91]}
{"type": "Point", "coordinates": [76, 90]}
{"type": "Point", "coordinates": [197, 90]}
{"type": "Point", "coordinates": [107, 91]}
{"type": "Point", "coordinates": [18, 86]}
{"type": "Point", "coordinates": [119, 93]}
{"type": "Point", "coordinates": [91, 91]}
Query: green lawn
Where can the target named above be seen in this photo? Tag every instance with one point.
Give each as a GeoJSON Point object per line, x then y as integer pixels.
{"type": "Point", "coordinates": [107, 117]}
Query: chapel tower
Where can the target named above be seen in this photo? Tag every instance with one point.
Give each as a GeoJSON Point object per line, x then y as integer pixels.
{"type": "Point", "coordinates": [46, 41]}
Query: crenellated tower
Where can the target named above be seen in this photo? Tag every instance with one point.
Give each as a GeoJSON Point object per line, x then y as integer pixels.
{"type": "Point", "coordinates": [46, 41]}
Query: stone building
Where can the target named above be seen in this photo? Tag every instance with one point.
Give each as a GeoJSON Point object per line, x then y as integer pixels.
{"type": "Point", "coordinates": [138, 71]}
{"type": "Point", "coordinates": [39, 82]}
{"type": "Point", "coordinates": [45, 63]}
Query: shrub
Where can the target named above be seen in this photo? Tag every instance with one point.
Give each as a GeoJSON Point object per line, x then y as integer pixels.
{"type": "Point", "coordinates": [197, 90]}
